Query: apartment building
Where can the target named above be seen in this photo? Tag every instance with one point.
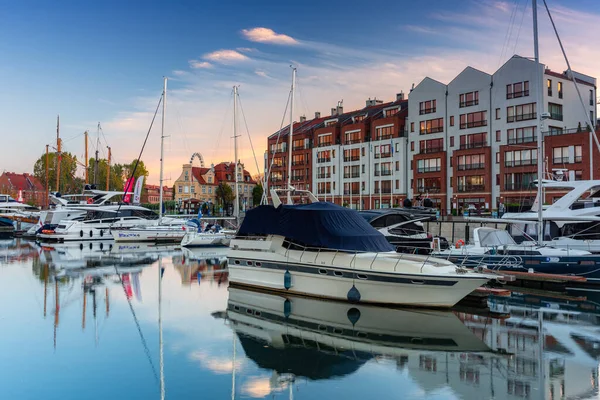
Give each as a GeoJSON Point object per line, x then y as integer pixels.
{"type": "Point", "coordinates": [473, 141]}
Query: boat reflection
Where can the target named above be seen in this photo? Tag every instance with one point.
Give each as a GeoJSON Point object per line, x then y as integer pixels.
{"type": "Point", "coordinates": [473, 356]}
{"type": "Point", "coordinates": [16, 250]}
{"type": "Point", "coordinates": [198, 264]}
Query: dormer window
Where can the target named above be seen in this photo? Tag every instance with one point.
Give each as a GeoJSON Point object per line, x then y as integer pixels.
{"type": "Point", "coordinates": [390, 112]}
{"type": "Point", "coordinates": [331, 122]}
{"type": "Point", "coordinates": [358, 118]}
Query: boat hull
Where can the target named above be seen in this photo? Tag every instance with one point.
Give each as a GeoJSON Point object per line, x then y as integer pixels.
{"type": "Point", "coordinates": [193, 239]}
{"type": "Point", "coordinates": [143, 235]}
{"type": "Point", "coordinates": [359, 286]}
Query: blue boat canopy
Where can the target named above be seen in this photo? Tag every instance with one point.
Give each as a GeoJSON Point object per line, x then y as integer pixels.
{"type": "Point", "coordinates": [322, 224]}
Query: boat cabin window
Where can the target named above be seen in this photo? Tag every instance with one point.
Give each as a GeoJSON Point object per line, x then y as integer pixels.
{"type": "Point", "coordinates": [582, 230]}
{"type": "Point", "coordinates": [587, 201]}
{"type": "Point", "coordinates": [494, 238]}
{"type": "Point", "coordinates": [378, 222]}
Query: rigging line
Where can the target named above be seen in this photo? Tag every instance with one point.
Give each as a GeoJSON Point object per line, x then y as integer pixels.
{"type": "Point", "coordinates": [222, 125]}
{"type": "Point", "coordinates": [127, 188]}
{"type": "Point", "coordinates": [520, 25]}
{"type": "Point", "coordinates": [268, 173]}
{"type": "Point", "coordinates": [248, 131]}
{"type": "Point", "coordinates": [72, 137]}
{"type": "Point", "coordinates": [507, 36]}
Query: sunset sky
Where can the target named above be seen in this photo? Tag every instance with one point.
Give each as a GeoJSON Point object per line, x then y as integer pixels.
{"type": "Point", "coordinates": [104, 62]}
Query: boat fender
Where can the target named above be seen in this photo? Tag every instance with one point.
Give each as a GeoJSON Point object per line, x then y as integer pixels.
{"type": "Point", "coordinates": [353, 295]}
{"type": "Point", "coordinates": [353, 315]}
{"type": "Point", "coordinates": [287, 280]}
{"type": "Point", "coordinates": [459, 243]}
{"type": "Point", "coordinates": [287, 308]}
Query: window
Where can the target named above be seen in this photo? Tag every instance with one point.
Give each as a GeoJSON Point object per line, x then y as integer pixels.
{"type": "Point", "coordinates": [354, 154]}
{"type": "Point", "coordinates": [592, 116]}
{"type": "Point", "coordinates": [431, 126]}
{"type": "Point", "coordinates": [452, 120]}
{"type": "Point", "coordinates": [497, 157]}
{"type": "Point", "coordinates": [578, 175]}
{"type": "Point", "coordinates": [556, 111]}
{"type": "Point", "coordinates": [471, 161]}
{"type": "Point", "coordinates": [578, 154]}
{"type": "Point", "coordinates": [390, 112]}
{"type": "Point", "coordinates": [470, 183]}
{"type": "Point", "coordinates": [549, 84]}
{"type": "Point", "coordinates": [450, 161]}
{"type": "Point", "coordinates": [469, 99]}
{"type": "Point", "coordinates": [498, 179]}
{"type": "Point", "coordinates": [431, 146]}
{"type": "Point", "coordinates": [203, 190]}
{"type": "Point", "coordinates": [397, 166]}
{"type": "Point", "coordinates": [412, 126]}
{"type": "Point", "coordinates": [428, 165]}
{"type": "Point", "coordinates": [384, 132]}
{"type": "Point", "coordinates": [194, 189]}
{"type": "Point", "coordinates": [362, 151]}
{"type": "Point", "coordinates": [431, 185]}
{"type": "Point", "coordinates": [427, 107]}
{"type": "Point", "coordinates": [323, 156]}
{"type": "Point", "coordinates": [559, 88]}
{"type": "Point", "coordinates": [210, 190]}
{"type": "Point", "coordinates": [516, 90]}
{"type": "Point", "coordinates": [473, 120]}
{"type": "Point", "coordinates": [352, 137]}
{"type": "Point", "coordinates": [451, 141]}
{"type": "Point", "coordinates": [473, 141]}
{"type": "Point", "coordinates": [521, 135]}
{"type": "Point", "coordinates": [412, 146]}
{"type": "Point", "coordinates": [497, 113]}
{"type": "Point", "coordinates": [358, 118]}
{"type": "Point", "coordinates": [522, 112]}
{"type": "Point", "coordinates": [179, 189]}
{"type": "Point", "coordinates": [592, 99]}
{"type": "Point", "coordinates": [324, 140]}
{"type": "Point", "coordinates": [518, 158]}
{"type": "Point", "coordinates": [498, 136]}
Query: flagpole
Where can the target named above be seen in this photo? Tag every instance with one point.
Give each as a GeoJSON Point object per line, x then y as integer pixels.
{"type": "Point", "coordinates": [370, 177]}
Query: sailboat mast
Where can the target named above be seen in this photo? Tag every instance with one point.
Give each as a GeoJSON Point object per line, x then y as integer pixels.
{"type": "Point", "coordinates": [86, 157]}
{"type": "Point", "coordinates": [236, 205]}
{"type": "Point", "coordinates": [58, 155]}
{"type": "Point", "coordinates": [97, 148]}
{"type": "Point", "coordinates": [540, 136]}
{"type": "Point", "coordinates": [162, 148]}
{"type": "Point", "coordinates": [290, 139]}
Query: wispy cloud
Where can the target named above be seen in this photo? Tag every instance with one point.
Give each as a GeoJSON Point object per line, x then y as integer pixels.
{"type": "Point", "coordinates": [419, 29]}
{"type": "Point", "coordinates": [200, 64]}
{"type": "Point", "coordinates": [261, 73]}
{"type": "Point", "coordinates": [266, 35]}
{"type": "Point", "coordinates": [225, 56]}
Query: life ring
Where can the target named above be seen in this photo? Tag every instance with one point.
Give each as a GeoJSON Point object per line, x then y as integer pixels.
{"type": "Point", "coordinates": [90, 201]}
{"type": "Point", "coordinates": [459, 243]}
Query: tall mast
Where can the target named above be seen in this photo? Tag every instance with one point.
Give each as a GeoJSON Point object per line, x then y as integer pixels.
{"type": "Point", "coordinates": [108, 169]}
{"type": "Point", "coordinates": [540, 136]}
{"type": "Point", "coordinates": [97, 148]}
{"type": "Point", "coordinates": [290, 139]}
{"type": "Point", "coordinates": [162, 142]}
{"type": "Point", "coordinates": [47, 178]}
{"type": "Point", "coordinates": [58, 156]}
{"type": "Point", "coordinates": [236, 205]}
{"type": "Point", "coordinates": [86, 157]}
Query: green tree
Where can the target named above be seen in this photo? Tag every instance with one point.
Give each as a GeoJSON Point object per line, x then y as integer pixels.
{"type": "Point", "coordinates": [257, 193]}
{"type": "Point", "coordinates": [224, 194]}
{"type": "Point", "coordinates": [68, 167]}
{"type": "Point", "coordinates": [116, 175]}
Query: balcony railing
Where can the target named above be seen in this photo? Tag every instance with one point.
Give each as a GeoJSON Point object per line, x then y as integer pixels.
{"type": "Point", "coordinates": [466, 167]}
{"type": "Point", "coordinates": [424, 170]}
{"type": "Point", "coordinates": [431, 130]}
{"type": "Point", "coordinates": [383, 190]}
{"type": "Point", "coordinates": [521, 117]}
{"type": "Point", "coordinates": [298, 162]}
{"type": "Point", "coordinates": [276, 179]}
{"type": "Point", "coordinates": [578, 159]}
{"type": "Point", "coordinates": [429, 189]}
{"type": "Point", "coordinates": [323, 159]}
{"type": "Point", "coordinates": [471, 188]}
{"type": "Point", "coordinates": [354, 191]}
{"type": "Point", "coordinates": [429, 150]}
{"type": "Point", "coordinates": [383, 137]}
{"type": "Point", "coordinates": [518, 186]}
{"type": "Point", "coordinates": [352, 174]}
{"type": "Point", "coordinates": [323, 176]}
{"type": "Point", "coordinates": [520, 163]}
{"type": "Point", "coordinates": [560, 160]}
{"type": "Point", "coordinates": [515, 95]}
{"type": "Point", "coordinates": [427, 111]}
{"type": "Point", "coordinates": [352, 141]}
{"type": "Point", "coordinates": [469, 103]}
{"type": "Point", "coordinates": [524, 139]}
{"type": "Point", "coordinates": [472, 145]}
{"type": "Point", "coordinates": [298, 178]}
{"type": "Point", "coordinates": [474, 124]}
{"type": "Point", "coordinates": [384, 155]}
{"type": "Point", "coordinates": [556, 116]}
{"type": "Point", "coordinates": [296, 148]}
{"type": "Point", "coordinates": [351, 158]}
{"type": "Point", "coordinates": [323, 144]}
{"type": "Point", "coordinates": [386, 172]}
{"type": "Point", "coordinates": [557, 132]}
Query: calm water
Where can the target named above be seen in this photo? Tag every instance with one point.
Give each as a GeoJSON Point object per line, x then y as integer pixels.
{"type": "Point", "coordinates": [83, 323]}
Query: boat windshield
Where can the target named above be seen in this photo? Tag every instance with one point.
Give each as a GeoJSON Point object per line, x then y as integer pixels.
{"type": "Point", "coordinates": [494, 237]}
{"type": "Point", "coordinates": [100, 214]}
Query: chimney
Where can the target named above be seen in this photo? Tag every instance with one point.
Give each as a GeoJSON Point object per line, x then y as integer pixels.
{"type": "Point", "coordinates": [340, 110]}
{"type": "Point", "coordinates": [317, 114]}
{"type": "Point", "coordinates": [303, 118]}
{"type": "Point", "coordinates": [333, 112]}
{"type": "Point", "coordinates": [400, 96]}
{"type": "Point", "coordinates": [413, 87]}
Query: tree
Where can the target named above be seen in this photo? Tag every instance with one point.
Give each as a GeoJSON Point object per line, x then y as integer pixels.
{"type": "Point", "coordinates": [68, 167]}
{"type": "Point", "coordinates": [257, 193]}
{"type": "Point", "coordinates": [224, 193]}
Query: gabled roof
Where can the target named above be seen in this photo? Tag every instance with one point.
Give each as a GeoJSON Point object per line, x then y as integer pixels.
{"type": "Point", "coordinates": [197, 173]}
{"type": "Point", "coordinates": [224, 168]}
{"type": "Point", "coordinates": [21, 181]}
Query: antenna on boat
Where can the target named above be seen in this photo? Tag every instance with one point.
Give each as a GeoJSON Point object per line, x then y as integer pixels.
{"type": "Point", "coordinates": [97, 148]}
{"type": "Point", "coordinates": [540, 136]}
{"type": "Point", "coordinates": [236, 205]}
{"type": "Point", "coordinates": [162, 142]}
{"type": "Point", "coordinates": [290, 139]}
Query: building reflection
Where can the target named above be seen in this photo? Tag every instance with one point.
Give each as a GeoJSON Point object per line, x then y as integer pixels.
{"type": "Point", "coordinates": [196, 265]}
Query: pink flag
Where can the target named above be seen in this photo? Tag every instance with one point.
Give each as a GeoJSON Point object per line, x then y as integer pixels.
{"type": "Point", "coordinates": [128, 189]}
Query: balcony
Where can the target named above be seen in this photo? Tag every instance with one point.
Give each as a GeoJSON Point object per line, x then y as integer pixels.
{"type": "Point", "coordinates": [386, 172]}
{"type": "Point", "coordinates": [276, 179]}
{"type": "Point", "coordinates": [429, 189]}
{"type": "Point", "coordinates": [383, 190]}
{"type": "Point", "coordinates": [431, 130]}
{"type": "Point", "coordinates": [557, 132]}
{"type": "Point", "coordinates": [560, 160]}
{"type": "Point", "coordinates": [425, 170]}
{"type": "Point", "coordinates": [556, 116]}
{"type": "Point", "coordinates": [352, 174]}
{"type": "Point", "coordinates": [296, 148]}
{"type": "Point", "coordinates": [467, 167]}
{"type": "Point", "coordinates": [298, 178]}
{"type": "Point", "coordinates": [354, 191]}
{"type": "Point", "coordinates": [323, 176]}
{"type": "Point", "coordinates": [427, 111]}
{"type": "Point", "coordinates": [519, 140]}
{"type": "Point", "coordinates": [383, 137]}
{"type": "Point", "coordinates": [472, 145]}
{"type": "Point", "coordinates": [429, 150]}
{"type": "Point", "coordinates": [351, 158]}
{"type": "Point", "coordinates": [516, 95]}
{"type": "Point", "coordinates": [474, 124]}
{"type": "Point", "coordinates": [522, 117]}
{"type": "Point", "coordinates": [352, 141]}
{"type": "Point", "coordinates": [323, 159]}
{"type": "Point", "coordinates": [323, 144]}
{"type": "Point", "coordinates": [298, 163]}
{"type": "Point", "coordinates": [470, 188]}
{"type": "Point", "coordinates": [469, 103]}
{"type": "Point", "coordinates": [520, 163]}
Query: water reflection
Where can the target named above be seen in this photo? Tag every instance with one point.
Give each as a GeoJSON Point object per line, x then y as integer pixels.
{"type": "Point", "coordinates": [94, 312]}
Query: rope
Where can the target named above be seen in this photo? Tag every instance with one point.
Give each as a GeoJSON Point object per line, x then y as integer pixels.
{"type": "Point", "coordinates": [248, 132]}
{"type": "Point", "coordinates": [222, 126]}
{"type": "Point", "coordinates": [140, 156]}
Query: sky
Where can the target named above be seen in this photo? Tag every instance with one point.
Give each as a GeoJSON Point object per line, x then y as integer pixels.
{"type": "Point", "coordinates": [103, 62]}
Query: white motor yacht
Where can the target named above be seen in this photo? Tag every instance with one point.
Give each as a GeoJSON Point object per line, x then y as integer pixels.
{"type": "Point", "coordinates": [324, 250]}
{"type": "Point", "coordinates": [22, 215]}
